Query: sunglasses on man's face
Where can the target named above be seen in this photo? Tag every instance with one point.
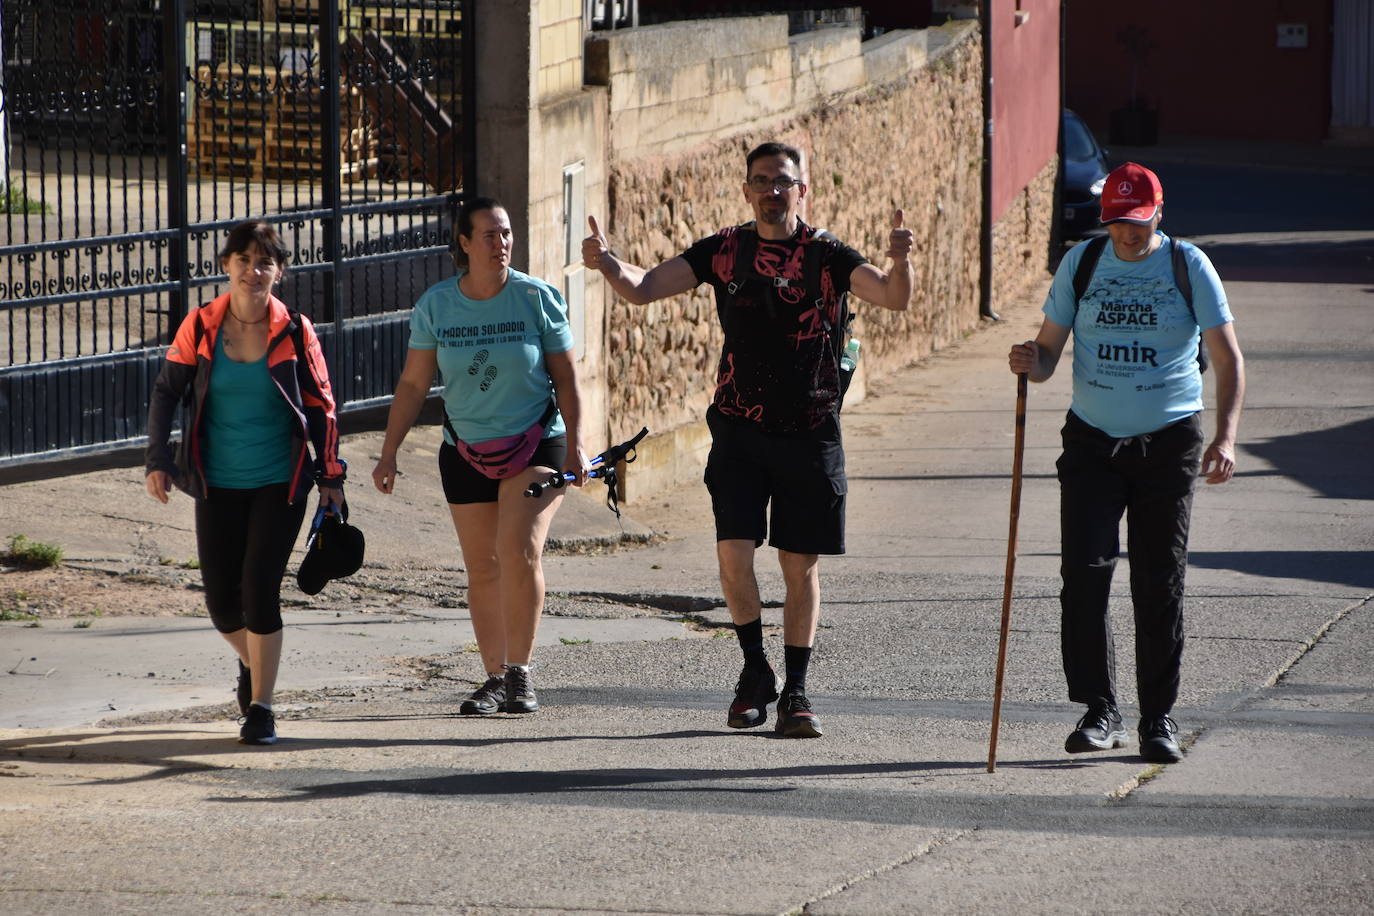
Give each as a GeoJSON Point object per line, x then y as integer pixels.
{"type": "Point", "coordinates": [763, 185]}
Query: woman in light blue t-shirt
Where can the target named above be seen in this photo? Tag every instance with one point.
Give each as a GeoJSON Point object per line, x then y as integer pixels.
{"type": "Point", "coordinates": [500, 342]}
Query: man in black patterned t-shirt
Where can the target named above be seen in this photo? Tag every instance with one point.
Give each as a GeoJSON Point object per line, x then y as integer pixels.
{"type": "Point", "coordinates": [781, 287]}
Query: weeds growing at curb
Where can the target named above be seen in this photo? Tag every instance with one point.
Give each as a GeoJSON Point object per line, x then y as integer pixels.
{"type": "Point", "coordinates": [32, 554]}
{"type": "Point", "coordinates": [13, 606]}
{"type": "Point", "coordinates": [17, 200]}
{"type": "Point", "coordinates": [573, 642]}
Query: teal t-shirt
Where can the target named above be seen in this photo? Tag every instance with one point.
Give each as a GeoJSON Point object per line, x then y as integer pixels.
{"type": "Point", "coordinates": [491, 354]}
{"type": "Point", "coordinates": [247, 425]}
{"type": "Point", "coordinates": [1134, 340]}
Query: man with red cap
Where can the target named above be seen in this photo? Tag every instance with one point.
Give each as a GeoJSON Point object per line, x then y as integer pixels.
{"type": "Point", "coordinates": [1133, 445]}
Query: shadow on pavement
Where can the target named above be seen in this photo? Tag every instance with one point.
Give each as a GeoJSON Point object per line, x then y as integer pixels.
{"type": "Point", "coordinates": [1203, 199]}
{"type": "Point", "coordinates": [631, 779]}
{"type": "Point", "coordinates": [1355, 568]}
{"type": "Point", "coordinates": [1333, 462]}
{"type": "Point", "coordinates": [1318, 261]}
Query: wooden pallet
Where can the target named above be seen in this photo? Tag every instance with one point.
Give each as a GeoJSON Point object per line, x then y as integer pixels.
{"type": "Point", "coordinates": [284, 142]}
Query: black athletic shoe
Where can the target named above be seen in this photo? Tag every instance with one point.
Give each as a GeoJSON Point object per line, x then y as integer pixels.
{"type": "Point", "coordinates": [245, 689]}
{"type": "Point", "coordinates": [757, 688]}
{"type": "Point", "coordinates": [1157, 740]}
{"type": "Point", "coordinates": [795, 718]}
{"type": "Point", "coordinates": [486, 699]}
{"type": "Point", "coordinates": [519, 694]}
{"type": "Point", "coordinates": [259, 727]}
{"type": "Point", "coordinates": [1099, 730]}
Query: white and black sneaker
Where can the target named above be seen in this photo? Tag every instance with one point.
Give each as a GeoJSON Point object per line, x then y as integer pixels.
{"type": "Point", "coordinates": [259, 726]}
{"type": "Point", "coordinates": [485, 700]}
{"type": "Point", "coordinates": [519, 693]}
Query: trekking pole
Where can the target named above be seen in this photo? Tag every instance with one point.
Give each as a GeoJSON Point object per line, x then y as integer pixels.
{"type": "Point", "coordinates": [602, 465]}
{"type": "Point", "coordinates": [1011, 564]}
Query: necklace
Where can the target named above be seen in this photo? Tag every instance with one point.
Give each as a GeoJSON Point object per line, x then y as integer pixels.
{"type": "Point", "coordinates": [259, 321]}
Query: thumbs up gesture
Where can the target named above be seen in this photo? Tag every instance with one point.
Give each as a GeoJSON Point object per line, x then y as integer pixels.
{"type": "Point", "coordinates": [899, 240]}
{"type": "Point", "coordinates": [596, 254]}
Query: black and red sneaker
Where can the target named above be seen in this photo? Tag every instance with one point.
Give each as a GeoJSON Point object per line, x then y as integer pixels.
{"type": "Point", "coordinates": [795, 718]}
{"type": "Point", "coordinates": [757, 688]}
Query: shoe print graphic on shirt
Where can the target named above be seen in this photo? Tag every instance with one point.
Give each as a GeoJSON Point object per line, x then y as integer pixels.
{"type": "Point", "coordinates": [487, 378]}
{"type": "Point", "coordinates": [479, 361]}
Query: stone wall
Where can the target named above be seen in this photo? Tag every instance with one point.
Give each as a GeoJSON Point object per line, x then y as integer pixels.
{"type": "Point", "coordinates": [1021, 238]}
{"type": "Point", "coordinates": [911, 141]}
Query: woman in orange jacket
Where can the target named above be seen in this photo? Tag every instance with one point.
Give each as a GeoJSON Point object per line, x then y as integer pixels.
{"type": "Point", "coordinates": [259, 393]}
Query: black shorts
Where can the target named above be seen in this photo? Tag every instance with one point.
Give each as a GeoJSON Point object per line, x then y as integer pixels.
{"type": "Point", "coordinates": [463, 483]}
{"type": "Point", "coordinates": [801, 475]}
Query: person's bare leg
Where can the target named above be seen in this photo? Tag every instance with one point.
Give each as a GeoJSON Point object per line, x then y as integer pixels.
{"type": "Point", "coordinates": [757, 686]}
{"type": "Point", "coordinates": [476, 524]}
{"type": "Point", "coordinates": [801, 607]}
{"type": "Point", "coordinates": [239, 641]}
{"type": "Point", "coordinates": [522, 527]}
{"type": "Point", "coordinates": [523, 524]}
{"type": "Point", "coordinates": [264, 660]}
{"type": "Point", "coordinates": [737, 580]}
{"type": "Point", "coordinates": [801, 611]}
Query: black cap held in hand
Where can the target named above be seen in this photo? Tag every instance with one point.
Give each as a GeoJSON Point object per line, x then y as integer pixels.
{"type": "Point", "coordinates": [334, 550]}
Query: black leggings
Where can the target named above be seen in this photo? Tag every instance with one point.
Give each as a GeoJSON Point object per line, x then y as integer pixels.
{"type": "Point", "coordinates": [244, 539]}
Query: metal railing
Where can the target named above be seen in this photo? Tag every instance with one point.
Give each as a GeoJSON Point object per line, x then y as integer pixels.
{"type": "Point", "coordinates": [133, 140]}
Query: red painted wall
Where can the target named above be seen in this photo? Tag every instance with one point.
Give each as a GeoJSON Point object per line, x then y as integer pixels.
{"type": "Point", "coordinates": [1214, 68]}
{"type": "Point", "coordinates": [1025, 95]}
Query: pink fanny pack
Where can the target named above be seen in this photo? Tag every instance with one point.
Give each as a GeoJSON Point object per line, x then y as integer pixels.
{"type": "Point", "coordinates": [507, 456]}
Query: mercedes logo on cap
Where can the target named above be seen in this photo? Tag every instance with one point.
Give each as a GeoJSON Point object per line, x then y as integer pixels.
{"type": "Point", "coordinates": [1125, 188]}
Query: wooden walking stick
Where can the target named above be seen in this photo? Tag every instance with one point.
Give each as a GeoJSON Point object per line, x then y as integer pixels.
{"type": "Point", "coordinates": [1011, 564]}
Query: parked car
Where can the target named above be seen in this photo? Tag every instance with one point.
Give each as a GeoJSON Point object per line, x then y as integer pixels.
{"type": "Point", "coordinates": [1085, 167]}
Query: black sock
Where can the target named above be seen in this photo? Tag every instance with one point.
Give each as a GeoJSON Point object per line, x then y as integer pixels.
{"type": "Point", "coordinates": [750, 636]}
{"type": "Point", "coordinates": [797, 659]}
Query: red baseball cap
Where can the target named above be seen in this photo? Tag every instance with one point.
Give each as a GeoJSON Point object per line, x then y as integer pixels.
{"type": "Point", "coordinates": [1131, 194]}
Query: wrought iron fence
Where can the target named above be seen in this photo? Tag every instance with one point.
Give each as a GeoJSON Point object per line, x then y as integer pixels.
{"type": "Point", "coordinates": [135, 134]}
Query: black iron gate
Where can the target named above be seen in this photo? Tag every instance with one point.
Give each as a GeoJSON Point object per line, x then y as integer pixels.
{"type": "Point", "coordinates": [136, 132]}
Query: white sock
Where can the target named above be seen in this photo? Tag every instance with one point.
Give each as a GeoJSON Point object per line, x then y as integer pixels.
{"type": "Point", "coordinates": [266, 706]}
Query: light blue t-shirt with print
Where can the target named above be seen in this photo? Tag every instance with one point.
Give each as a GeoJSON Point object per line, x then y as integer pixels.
{"type": "Point", "coordinates": [1134, 340]}
{"type": "Point", "coordinates": [491, 354]}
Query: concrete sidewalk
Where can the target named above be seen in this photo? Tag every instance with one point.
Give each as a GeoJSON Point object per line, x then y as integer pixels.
{"type": "Point", "coordinates": [626, 794]}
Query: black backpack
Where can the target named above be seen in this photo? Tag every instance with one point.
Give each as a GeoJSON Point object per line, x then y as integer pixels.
{"type": "Point", "coordinates": [746, 278]}
{"type": "Point", "coordinates": [1092, 252]}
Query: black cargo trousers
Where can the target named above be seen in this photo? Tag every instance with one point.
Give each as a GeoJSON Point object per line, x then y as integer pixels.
{"type": "Point", "coordinates": [1151, 479]}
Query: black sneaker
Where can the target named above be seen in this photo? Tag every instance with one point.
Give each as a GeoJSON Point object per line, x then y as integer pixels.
{"type": "Point", "coordinates": [486, 699]}
{"type": "Point", "coordinates": [795, 718]}
{"type": "Point", "coordinates": [519, 694]}
{"type": "Point", "coordinates": [259, 727]}
{"type": "Point", "coordinates": [1099, 730]}
{"type": "Point", "coordinates": [245, 689]}
{"type": "Point", "coordinates": [757, 688]}
{"type": "Point", "coordinates": [1158, 743]}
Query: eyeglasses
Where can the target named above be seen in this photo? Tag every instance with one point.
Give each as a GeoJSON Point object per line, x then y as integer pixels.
{"type": "Point", "coordinates": [762, 185]}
